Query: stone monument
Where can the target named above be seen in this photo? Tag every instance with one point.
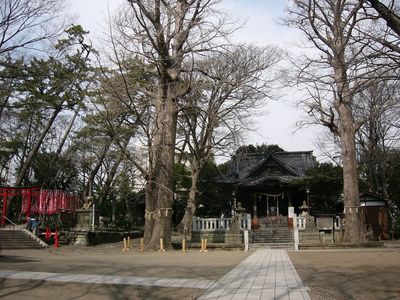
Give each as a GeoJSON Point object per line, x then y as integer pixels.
{"type": "Point", "coordinates": [86, 218]}
{"type": "Point", "coordinates": [310, 220]}
{"type": "Point", "coordinates": [233, 235]}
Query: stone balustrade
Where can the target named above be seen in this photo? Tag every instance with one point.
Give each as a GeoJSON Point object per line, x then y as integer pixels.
{"type": "Point", "coordinates": [299, 222]}
{"type": "Point", "coordinates": [221, 224]}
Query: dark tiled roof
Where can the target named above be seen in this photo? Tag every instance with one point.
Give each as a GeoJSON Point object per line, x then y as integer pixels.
{"type": "Point", "coordinates": [250, 168]}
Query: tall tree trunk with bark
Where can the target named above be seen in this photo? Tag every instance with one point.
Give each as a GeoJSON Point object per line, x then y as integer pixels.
{"type": "Point", "coordinates": [186, 224]}
{"type": "Point", "coordinates": [163, 35]}
{"type": "Point", "coordinates": [150, 205]}
{"type": "Point", "coordinates": [354, 228]}
{"type": "Point", "coordinates": [344, 101]}
{"type": "Point", "coordinates": [164, 158]}
{"type": "Point", "coordinates": [333, 27]}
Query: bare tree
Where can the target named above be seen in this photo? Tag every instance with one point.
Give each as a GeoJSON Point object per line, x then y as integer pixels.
{"type": "Point", "coordinates": [333, 76]}
{"type": "Point", "coordinates": [165, 34]}
{"type": "Point", "coordinates": [24, 23]}
{"type": "Point", "coordinates": [228, 88]}
{"type": "Point", "coordinates": [388, 13]}
{"type": "Point", "coordinates": [379, 107]}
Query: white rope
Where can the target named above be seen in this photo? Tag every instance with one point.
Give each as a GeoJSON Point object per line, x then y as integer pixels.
{"type": "Point", "coordinates": [356, 207]}
{"type": "Point", "coordinates": [273, 195]}
{"type": "Point", "coordinates": [158, 212]}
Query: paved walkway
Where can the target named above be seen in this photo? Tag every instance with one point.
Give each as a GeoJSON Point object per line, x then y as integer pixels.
{"type": "Point", "coordinates": [101, 279]}
{"type": "Point", "coordinates": [266, 274]}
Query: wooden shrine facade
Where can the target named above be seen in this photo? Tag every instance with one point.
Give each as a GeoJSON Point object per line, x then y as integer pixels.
{"type": "Point", "coordinates": [267, 184]}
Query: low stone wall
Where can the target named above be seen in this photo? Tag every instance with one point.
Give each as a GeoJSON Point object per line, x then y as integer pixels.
{"type": "Point", "coordinates": [216, 237]}
{"type": "Point", "coordinates": [313, 236]}
{"type": "Point", "coordinates": [91, 238]}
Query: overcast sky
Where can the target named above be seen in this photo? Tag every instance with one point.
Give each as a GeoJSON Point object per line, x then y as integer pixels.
{"type": "Point", "coordinates": [277, 122]}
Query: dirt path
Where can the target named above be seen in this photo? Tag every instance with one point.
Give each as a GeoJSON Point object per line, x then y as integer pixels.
{"type": "Point", "coordinates": [340, 274]}
{"type": "Point", "coordinates": [355, 274]}
{"type": "Point", "coordinates": [110, 260]}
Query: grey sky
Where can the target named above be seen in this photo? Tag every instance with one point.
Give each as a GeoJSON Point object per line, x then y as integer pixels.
{"type": "Point", "coordinates": [276, 123]}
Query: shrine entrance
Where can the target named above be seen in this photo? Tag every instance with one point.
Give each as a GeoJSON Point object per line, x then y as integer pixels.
{"type": "Point", "coordinates": [271, 207]}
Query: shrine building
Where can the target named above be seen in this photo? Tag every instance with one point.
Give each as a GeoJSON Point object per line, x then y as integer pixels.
{"type": "Point", "coordinates": [267, 184]}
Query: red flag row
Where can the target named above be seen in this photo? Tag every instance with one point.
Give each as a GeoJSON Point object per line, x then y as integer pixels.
{"type": "Point", "coordinates": [48, 202]}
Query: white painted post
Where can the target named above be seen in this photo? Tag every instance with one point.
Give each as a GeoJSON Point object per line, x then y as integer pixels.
{"type": "Point", "coordinates": [296, 239]}
{"type": "Point", "coordinates": [246, 240]}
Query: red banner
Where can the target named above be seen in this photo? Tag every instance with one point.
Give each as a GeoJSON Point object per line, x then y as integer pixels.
{"type": "Point", "coordinates": [49, 202]}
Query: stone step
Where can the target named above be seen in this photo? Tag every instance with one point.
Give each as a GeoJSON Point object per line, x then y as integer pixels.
{"type": "Point", "coordinates": [273, 235]}
{"type": "Point", "coordinates": [289, 246]}
{"type": "Point", "coordinates": [24, 246]}
{"type": "Point", "coordinates": [267, 232]}
{"type": "Point", "coordinates": [272, 240]}
{"type": "Point", "coordinates": [266, 239]}
{"type": "Point", "coordinates": [18, 239]}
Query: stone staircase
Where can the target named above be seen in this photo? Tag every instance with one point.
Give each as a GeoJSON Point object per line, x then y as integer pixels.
{"type": "Point", "coordinates": [273, 235]}
{"type": "Point", "coordinates": [20, 239]}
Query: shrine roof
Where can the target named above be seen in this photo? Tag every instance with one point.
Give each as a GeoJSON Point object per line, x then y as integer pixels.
{"type": "Point", "coordinates": [254, 169]}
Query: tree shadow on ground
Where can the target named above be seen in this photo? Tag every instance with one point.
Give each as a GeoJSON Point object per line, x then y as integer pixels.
{"type": "Point", "coordinates": [16, 259]}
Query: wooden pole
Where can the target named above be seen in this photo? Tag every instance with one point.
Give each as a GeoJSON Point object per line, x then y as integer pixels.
{"type": "Point", "coordinates": [184, 246]}
{"type": "Point", "coordinates": [161, 245]}
{"type": "Point", "coordinates": [141, 244]}
{"type": "Point", "coordinates": [125, 248]}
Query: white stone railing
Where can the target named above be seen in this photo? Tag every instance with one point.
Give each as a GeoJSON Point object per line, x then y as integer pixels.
{"type": "Point", "coordinates": [299, 222]}
{"type": "Point", "coordinates": [212, 224]}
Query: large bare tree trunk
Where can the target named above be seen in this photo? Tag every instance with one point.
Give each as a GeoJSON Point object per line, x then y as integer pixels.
{"type": "Point", "coordinates": [163, 167]}
{"type": "Point", "coordinates": [150, 208]}
{"type": "Point", "coordinates": [347, 132]}
{"type": "Point", "coordinates": [164, 30]}
{"type": "Point", "coordinates": [354, 227]}
{"type": "Point", "coordinates": [330, 25]}
{"type": "Point", "coordinates": [186, 224]}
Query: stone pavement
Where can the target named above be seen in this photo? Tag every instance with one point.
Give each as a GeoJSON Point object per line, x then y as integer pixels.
{"type": "Point", "coordinates": [266, 274]}
{"type": "Point", "coordinates": [102, 279]}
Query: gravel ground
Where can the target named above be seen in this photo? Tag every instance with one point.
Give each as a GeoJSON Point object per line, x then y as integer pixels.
{"type": "Point", "coordinates": [330, 274]}
{"type": "Point", "coordinates": [109, 259]}
{"type": "Point", "coordinates": [350, 274]}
